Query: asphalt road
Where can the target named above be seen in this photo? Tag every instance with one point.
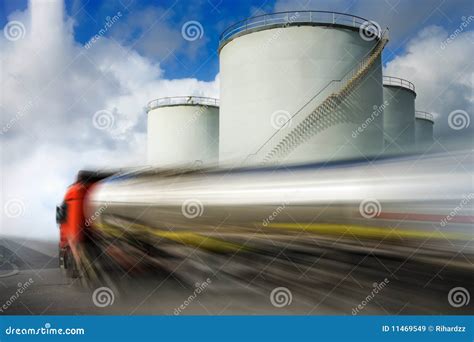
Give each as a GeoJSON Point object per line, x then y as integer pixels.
{"type": "Point", "coordinates": [33, 267]}
{"type": "Point", "coordinates": [329, 287]}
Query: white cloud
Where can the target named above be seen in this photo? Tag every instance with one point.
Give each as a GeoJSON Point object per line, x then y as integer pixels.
{"type": "Point", "coordinates": [159, 38]}
{"type": "Point", "coordinates": [443, 75]}
{"type": "Point", "coordinates": [51, 88]}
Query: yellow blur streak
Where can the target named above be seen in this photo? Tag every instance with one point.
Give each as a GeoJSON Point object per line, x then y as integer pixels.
{"type": "Point", "coordinates": [369, 232]}
{"type": "Point", "coordinates": [205, 242]}
{"type": "Point", "coordinates": [185, 238]}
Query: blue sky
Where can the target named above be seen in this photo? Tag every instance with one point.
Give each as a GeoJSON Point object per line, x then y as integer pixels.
{"type": "Point", "coordinates": [405, 18]}
{"type": "Point", "coordinates": [214, 16]}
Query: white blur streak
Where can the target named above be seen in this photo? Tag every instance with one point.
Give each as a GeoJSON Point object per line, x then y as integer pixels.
{"type": "Point", "coordinates": [406, 179]}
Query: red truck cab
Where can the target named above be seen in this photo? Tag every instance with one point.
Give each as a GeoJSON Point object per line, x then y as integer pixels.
{"type": "Point", "coordinates": [71, 219]}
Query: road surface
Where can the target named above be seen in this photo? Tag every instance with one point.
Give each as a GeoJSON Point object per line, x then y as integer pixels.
{"type": "Point", "coordinates": [338, 282]}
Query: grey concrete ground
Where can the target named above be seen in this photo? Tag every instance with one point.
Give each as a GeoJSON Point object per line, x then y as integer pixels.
{"type": "Point", "coordinates": [333, 286]}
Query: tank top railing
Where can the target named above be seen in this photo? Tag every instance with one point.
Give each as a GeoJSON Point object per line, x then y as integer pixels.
{"type": "Point", "coordinates": [182, 100]}
{"type": "Point", "coordinates": [400, 82]}
{"type": "Point", "coordinates": [285, 18]}
{"type": "Point", "coordinates": [424, 115]}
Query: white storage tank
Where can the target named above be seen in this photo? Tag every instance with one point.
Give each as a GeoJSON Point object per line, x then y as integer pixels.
{"type": "Point", "coordinates": [183, 130]}
{"type": "Point", "coordinates": [283, 65]}
{"type": "Point", "coordinates": [399, 114]}
{"type": "Point", "coordinates": [423, 130]}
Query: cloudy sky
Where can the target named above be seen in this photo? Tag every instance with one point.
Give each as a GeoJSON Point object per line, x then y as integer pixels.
{"type": "Point", "coordinates": [69, 101]}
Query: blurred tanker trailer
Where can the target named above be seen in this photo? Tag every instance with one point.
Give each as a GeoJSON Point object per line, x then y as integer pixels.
{"type": "Point", "coordinates": [414, 209]}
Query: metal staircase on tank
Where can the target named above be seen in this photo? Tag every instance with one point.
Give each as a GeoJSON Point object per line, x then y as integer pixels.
{"type": "Point", "coordinates": [339, 91]}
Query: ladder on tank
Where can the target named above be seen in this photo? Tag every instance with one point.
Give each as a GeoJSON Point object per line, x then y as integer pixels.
{"type": "Point", "coordinates": [308, 126]}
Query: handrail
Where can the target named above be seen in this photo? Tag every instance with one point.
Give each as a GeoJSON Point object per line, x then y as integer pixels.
{"type": "Point", "coordinates": [328, 89]}
{"type": "Point", "coordinates": [284, 18]}
{"type": "Point", "coordinates": [397, 81]}
{"type": "Point", "coordinates": [424, 115]}
{"type": "Point", "coordinates": [182, 100]}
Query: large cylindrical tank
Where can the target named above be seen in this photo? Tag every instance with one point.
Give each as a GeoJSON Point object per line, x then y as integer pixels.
{"type": "Point", "coordinates": [282, 65]}
{"type": "Point", "coordinates": [399, 114]}
{"type": "Point", "coordinates": [183, 130]}
{"type": "Point", "coordinates": [423, 130]}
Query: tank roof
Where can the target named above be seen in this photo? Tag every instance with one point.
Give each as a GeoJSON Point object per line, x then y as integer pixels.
{"type": "Point", "coordinates": [392, 81]}
{"type": "Point", "coordinates": [299, 18]}
{"type": "Point", "coordinates": [182, 101]}
{"type": "Point", "coordinates": [424, 116]}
